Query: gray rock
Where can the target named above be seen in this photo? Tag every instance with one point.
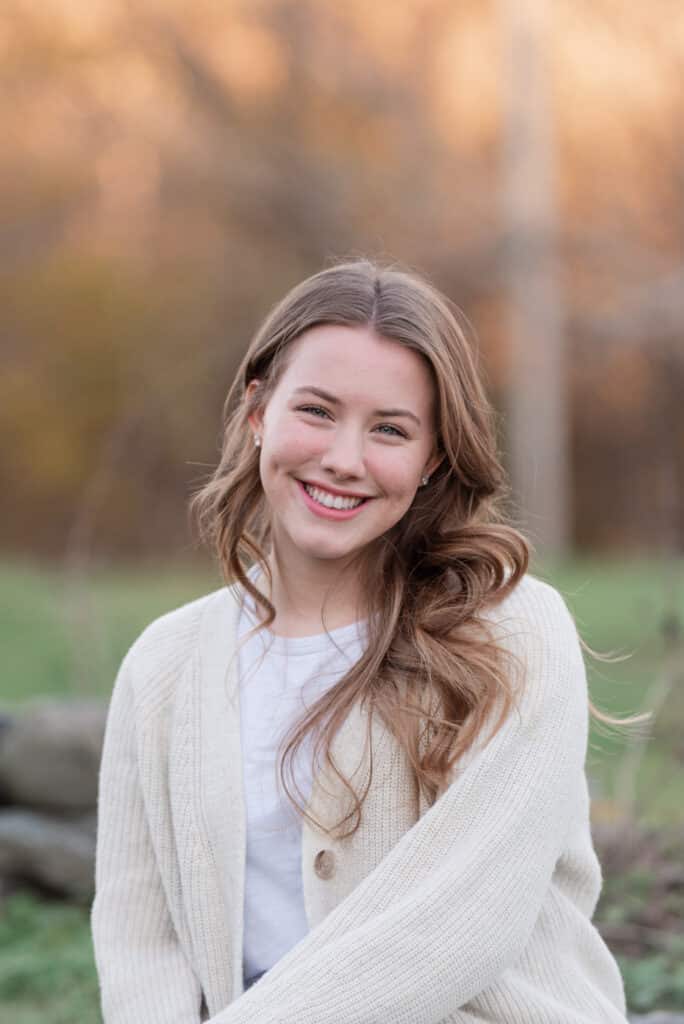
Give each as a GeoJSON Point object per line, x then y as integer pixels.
{"type": "Point", "coordinates": [50, 754]}
{"type": "Point", "coordinates": [52, 853]}
{"type": "Point", "coordinates": [659, 1017]}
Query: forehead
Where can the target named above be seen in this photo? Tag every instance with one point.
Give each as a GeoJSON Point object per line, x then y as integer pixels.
{"type": "Point", "coordinates": [355, 361]}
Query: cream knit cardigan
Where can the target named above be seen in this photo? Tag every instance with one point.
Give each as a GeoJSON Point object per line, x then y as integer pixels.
{"type": "Point", "coordinates": [474, 909]}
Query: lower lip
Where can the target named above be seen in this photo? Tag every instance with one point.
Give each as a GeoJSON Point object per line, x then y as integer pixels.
{"type": "Point", "coordinates": [328, 513]}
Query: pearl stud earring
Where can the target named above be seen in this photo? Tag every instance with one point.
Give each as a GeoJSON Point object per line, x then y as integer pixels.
{"type": "Point", "coordinates": [424, 480]}
{"type": "Point", "coordinates": [257, 440]}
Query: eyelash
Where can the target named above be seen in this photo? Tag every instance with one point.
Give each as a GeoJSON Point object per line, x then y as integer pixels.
{"type": "Point", "coordinates": [308, 408]}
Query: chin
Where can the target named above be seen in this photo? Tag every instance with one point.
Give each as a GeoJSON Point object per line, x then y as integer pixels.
{"type": "Point", "coordinates": [327, 554]}
{"type": "Point", "coordinates": [326, 550]}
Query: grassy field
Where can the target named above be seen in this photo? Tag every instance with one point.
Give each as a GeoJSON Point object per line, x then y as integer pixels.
{"type": "Point", "coordinates": [65, 635]}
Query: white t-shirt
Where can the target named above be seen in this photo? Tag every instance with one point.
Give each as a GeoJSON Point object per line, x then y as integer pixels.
{"type": "Point", "coordinates": [280, 678]}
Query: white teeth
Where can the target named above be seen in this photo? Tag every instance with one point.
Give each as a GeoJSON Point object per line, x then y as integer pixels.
{"type": "Point", "coordinates": [331, 500]}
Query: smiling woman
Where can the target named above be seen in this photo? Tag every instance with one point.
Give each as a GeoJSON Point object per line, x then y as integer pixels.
{"type": "Point", "coordinates": [349, 785]}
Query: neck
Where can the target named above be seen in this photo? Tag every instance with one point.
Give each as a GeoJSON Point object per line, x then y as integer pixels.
{"type": "Point", "coordinates": [306, 593]}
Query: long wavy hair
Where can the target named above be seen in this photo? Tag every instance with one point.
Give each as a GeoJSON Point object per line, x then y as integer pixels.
{"type": "Point", "coordinates": [431, 668]}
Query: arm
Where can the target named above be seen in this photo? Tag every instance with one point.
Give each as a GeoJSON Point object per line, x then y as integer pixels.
{"type": "Point", "coordinates": [144, 975]}
{"type": "Point", "coordinates": [455, 901]}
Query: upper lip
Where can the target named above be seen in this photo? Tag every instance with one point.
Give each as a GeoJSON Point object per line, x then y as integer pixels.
{"type": "Point", "coordinates": [334, 490]}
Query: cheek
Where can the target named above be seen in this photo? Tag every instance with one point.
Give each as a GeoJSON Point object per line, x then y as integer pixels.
{"type": "Point", "coordinates": [291, 443]}
{"type": "Point", "coordinates": [396, 473]}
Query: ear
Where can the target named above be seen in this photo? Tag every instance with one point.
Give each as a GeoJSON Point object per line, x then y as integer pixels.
{"type": "Point", "coordinates": [434, 462]}
{"type": "Point", "coordinates": [256, 418]}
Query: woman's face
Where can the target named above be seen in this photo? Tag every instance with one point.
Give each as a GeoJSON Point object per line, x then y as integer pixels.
{"type": "Point", "coordinates": [351, 417]}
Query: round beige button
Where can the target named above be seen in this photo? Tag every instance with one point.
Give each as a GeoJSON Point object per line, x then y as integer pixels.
{"type": "Point", "coordinates": [324, 864]}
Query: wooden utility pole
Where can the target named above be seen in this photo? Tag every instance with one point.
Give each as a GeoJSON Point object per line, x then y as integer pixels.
{"type": "Point", "coordinates": [537, 401]}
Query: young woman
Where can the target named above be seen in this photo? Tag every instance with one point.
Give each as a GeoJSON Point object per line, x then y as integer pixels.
{"type": "Point", "coordinates": [349, 786]}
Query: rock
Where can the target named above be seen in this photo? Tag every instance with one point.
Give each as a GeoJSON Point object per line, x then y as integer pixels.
{"type": "Point", "coordinates": [53, 853]}
{"type": "Point", "coordinates": [659, 1017]}
{"type": "Point", "coordinates": [50, 754]}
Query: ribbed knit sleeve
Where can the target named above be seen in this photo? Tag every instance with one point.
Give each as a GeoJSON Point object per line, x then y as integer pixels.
{"type": "Point", "coordinates": [455, 901]}
{"type": "Point", "coordinates": [144, 975]}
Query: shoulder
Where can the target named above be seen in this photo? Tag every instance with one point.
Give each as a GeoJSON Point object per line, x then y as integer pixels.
{"type": "Point", "coordinates": [167, 645]}
{"type": "Point", "coordinates": [533, 623]}
{"type": "Point", "coordinates": [536, 610]}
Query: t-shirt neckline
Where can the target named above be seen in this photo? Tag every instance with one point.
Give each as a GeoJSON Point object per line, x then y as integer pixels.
{"type": "Point", "coordinates": [293, 645]}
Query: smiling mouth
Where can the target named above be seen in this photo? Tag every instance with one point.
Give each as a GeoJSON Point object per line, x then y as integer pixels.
{"type": "Point", "coordinates": [334, 501]}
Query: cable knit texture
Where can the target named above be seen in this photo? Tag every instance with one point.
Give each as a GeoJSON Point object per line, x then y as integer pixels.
{"type": "Point", "coordinates": [475, 909]}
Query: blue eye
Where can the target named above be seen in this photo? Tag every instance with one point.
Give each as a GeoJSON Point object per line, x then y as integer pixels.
{"type": "Point", "coordinates": [397, 432]}
{"type": "Point", "coordinates": [312, 408]}
{"type": "Point", "coordinates": [316, 409]}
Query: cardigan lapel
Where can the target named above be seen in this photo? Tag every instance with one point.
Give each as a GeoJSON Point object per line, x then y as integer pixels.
{"type": "Point", "coordinates": [216, 910]}
{"type": "Point", "coordinates": [220, 816]}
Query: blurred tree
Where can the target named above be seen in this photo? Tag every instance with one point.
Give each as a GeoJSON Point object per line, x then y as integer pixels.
{"type": "Point", "coordinates": [172, 171]}
{"type": "Point", "coordinates": [538, 420]}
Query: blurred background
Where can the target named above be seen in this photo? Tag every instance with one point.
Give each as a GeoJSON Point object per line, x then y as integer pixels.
{"type": "Point", "coordinates": [169, 171]}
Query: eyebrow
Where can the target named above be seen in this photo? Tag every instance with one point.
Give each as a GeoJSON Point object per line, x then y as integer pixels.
{"type": "Point", "coordinates": [326, 396]}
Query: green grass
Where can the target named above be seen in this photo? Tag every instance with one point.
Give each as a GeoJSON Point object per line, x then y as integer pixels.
{"type": "Point", "coordinates": [624, 608]}
{"type": "Point", "coordinates": [65, 636]}
{"type": "Point", "coordinates": [47, 968]}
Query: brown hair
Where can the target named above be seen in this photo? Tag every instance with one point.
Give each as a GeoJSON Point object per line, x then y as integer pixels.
{"type": "Point", "coordinates": [431, 668]}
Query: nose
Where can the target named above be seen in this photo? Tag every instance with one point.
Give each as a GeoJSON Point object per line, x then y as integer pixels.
{"type": "Point", "coordinates": [343, 456]}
